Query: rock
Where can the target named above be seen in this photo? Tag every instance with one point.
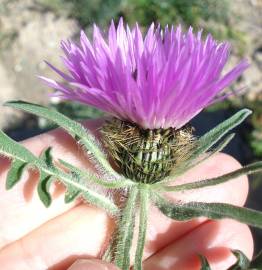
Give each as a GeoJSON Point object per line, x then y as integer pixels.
{"type": "Point", "coordinates": [37, 38]}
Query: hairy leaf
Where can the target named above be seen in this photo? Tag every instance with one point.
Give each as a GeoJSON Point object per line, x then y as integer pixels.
{"type": "Point", "coordinates": [44, 164]}
{"type": "Point", "coordinates": [207, 141]}
{"type": "Point", "coordinates": [249, 169]}
{"type": "Point", "coordinates": [215, 134]}
{"type": "Point", "coordinates": [91, 177]}
{"type": "Point", "coordinates": [187, 211]}
{"type": "Point", "coordinates": [72, 127]}
{"type": "Point", "coordinates": [72, 192]}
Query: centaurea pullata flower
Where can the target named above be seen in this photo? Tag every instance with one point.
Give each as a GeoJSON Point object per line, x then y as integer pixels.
{"type": "Point", "coordinates": [152, 87]}
{"type": "Point", "coordinates": [155, 85]}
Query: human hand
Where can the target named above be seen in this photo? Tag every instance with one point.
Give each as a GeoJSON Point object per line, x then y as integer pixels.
{"type": "Point", "coordinates": [33, 237]}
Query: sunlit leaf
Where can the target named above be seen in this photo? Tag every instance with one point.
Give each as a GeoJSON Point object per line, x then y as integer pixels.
{"type": "Point", "coordinates": [187, 211]}
{"type": "Point", "coordinates": [207, 141]}
{"type": "Point", "coordinates": [249, 169]}
{"type": "Point", "coordinates": [44, 164]}
{"type": "Point", "coordinates": [43, 189]}
{"type": "Point", "coordinates": [15, 172]}
{"type": "Point", "coordinates": [76, 130]}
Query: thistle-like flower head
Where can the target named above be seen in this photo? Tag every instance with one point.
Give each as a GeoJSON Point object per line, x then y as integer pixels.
{"type": "Point", "coordinates": [160, 81]}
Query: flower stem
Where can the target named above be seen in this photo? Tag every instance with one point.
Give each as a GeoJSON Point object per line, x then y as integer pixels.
{"type": "Point", "coordinates": [143, 216]}
{"type": "Point", "coordinates": [126, 231]}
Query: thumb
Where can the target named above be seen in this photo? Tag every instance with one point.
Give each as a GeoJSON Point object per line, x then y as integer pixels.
{"type": "Point", "coordinates": [92, 265]}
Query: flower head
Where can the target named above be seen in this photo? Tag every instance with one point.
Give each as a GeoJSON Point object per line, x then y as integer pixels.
{"type": "Point", "coordinates": [160, 81]}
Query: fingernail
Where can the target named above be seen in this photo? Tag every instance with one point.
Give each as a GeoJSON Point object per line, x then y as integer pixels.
{"type": "Point", "coordinates": [90, 265]}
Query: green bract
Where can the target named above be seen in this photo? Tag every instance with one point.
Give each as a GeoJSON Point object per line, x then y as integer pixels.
{"type": "Point", "coordinates": [139, 195]}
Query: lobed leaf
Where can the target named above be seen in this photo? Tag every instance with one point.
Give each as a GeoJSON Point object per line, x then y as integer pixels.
{"type": "Point", "coordinates": [44, 164]}
{"type": "Point", "coordinates": [76, 130]}
{"type": "Point", "coordinates": [43, 189]}
{"type": "Point", "coordinates": [91, 177]}
{"type": "Point", "coordinates": [15, 173]}
{"type": "Point", "coordinates": [72, 192]}
{"type": "Point", "coordinates": [187, 211]}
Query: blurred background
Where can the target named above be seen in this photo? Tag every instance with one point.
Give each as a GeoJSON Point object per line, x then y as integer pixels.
{"type": "Point", "coordinates": [31, 30]}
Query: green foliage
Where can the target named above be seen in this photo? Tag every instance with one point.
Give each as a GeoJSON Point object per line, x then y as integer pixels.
{"type": "Point", "coordinates": [249, 169]}
{"type": "Point", "coordinates": [76, 130]}
{"type": "Point", "coordinates": [174, 11]}
{"type": "Point", "coordinates": [15, 173]}
{"type": "Point", "coordinates": [21, 155]}
{"type": "Point", "coordinates": [187, 211]}
{"type": "Point", "coordinates": [190, 12]}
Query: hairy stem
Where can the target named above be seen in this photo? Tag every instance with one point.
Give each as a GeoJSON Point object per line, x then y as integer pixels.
{"type": "Point", "coordinates": [126, 231]}
{"type": "Point", "coordinates": [144, 206]}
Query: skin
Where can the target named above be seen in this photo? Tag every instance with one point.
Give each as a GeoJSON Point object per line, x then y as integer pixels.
{"type": "Point", "coordinates": [33, 237]}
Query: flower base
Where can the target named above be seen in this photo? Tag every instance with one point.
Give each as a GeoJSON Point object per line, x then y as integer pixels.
{"type": "Point", "coordinates": [145, 155]}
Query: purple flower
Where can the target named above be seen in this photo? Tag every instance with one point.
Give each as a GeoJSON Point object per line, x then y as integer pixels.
{"type": "Point", "coordinates": [162, 80]}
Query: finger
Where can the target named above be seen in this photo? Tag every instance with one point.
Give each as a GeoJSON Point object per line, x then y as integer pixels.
{"type": "Point", "coordinates": [21, 204]}
{"type": "Point", "coordinates": [84, 233]}
{"type": "Point", "coordinates": [92, 265]}
{"type": "Point", "coordinates": [213, 239]}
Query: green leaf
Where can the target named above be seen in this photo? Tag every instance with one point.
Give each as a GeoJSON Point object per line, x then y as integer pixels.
{"type": "Point", "coordinates": [208, 140]}
{"type": "Point", "coordinates": [92, 178]}
{"type": "Point", "coordinates": [242, 261]}
{"type": "Point", "coordinates": [15, 173]}
{"type": "Point", "coordinates": [43, 189]}
{"type": "Point", "coordinates": [204, 263]}
{"type": "Point", "coordinates": [17, 152]}
{"type": "Point", "coordinates": [256, 264]}
{"type": "Point", "coordinates": [45, 180]}
{"type": "Point", "coordinates": [187, 211]}
{"type": "Point", "coordinates": [126, 231]}
{"type": "Point", "coordinates": [47, 158]}
{"type": "Point", "coordinates": [72, 192]}
{"type": "Point", "coordinates": [215, 134]}
{"type": "Point", "coordinates": [143, 217]}
{"type": "Point", "coordinates": [249, 169]}
{"type": "Point", "coordinates": [76, 130]}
